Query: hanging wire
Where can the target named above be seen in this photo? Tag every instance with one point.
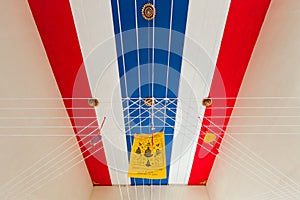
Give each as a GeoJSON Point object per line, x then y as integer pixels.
{"type": "Point", "coordinates": [46, 108]}
{"type": "Point", "coordinates": [167, 78]}
{"type": "Point", "coordinates": [124, 67]}
{"type": "Point", "coordinates": [139, 74]}
{"type": "Point", "coordinates": [37, 174]}
{"type": "Point", "coordinates": [252, 153]}
{"type": "Point", "coordinates": [86, 98]}
{"type": "Point", "coordinates": [33, 188]}
{"type": "Point", "coordinates": [118, 180]}
{"type": "Point", "coordinates": [266, 195]}
{"type": "Point", "coordinates": [45, 157]}
{"type": "Point", "coordinates": [253, 173]}
{"type": "Point", "coordinates": [221, 158]}
{"type": "Point", "coordinates": [153, 96]}
{"type": "Point", "coordinates": [252, 107]}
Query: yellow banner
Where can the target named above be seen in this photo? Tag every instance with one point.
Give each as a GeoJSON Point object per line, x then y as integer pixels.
{"type": "Point", "coordinates": [148, 157]}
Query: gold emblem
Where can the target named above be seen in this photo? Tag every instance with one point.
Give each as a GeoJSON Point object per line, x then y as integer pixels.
{"type": "Point", "coordinates": [148, 11]}
{"type": "Point", "coordinates": [149, 101]}
{"type": "Point", "coordinates": [209, 138]}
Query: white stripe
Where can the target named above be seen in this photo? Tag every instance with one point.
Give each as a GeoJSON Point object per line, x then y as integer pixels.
{"type": "Point", "coordinates": [205, 26]}
{"type": "Point", "coordinates": [94, 25]}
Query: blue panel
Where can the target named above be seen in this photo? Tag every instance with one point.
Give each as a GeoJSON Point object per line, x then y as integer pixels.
{"type": "Point", "coordinates": [127, 14]}
{"type": "Point", "coordinates": [130, 60]}
{"type": "Point", "coordinates": [161, 56]}
{"type": "Point", "coordinates": [141, 21]}
{"type": "Point", "coordinates": [163, 13]}
{"type": "Point", "coordinates": [114, 8]}
{"type": "Point", "coordinates": [148, 77]}
{"type": "Point", "coordinates": [145, 56]}
{"type": "Point", "coordinates": [180, 15]}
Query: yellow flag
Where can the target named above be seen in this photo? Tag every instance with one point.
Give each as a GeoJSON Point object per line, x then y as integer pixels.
{"type": "Point", "coordinates": [148, 157]}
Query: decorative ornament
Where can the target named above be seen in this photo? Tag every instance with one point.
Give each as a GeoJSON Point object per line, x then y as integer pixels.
{"type": "Point", "coordinates": [93, 102]}
{"type": "Point", "coordinates": [209, 138]}
{"type": "Point", "coordinates": [149, 101]}
{"type": "Point", "coordinates": [207, 102]}
{"type": "Point", "coordinates": [203, 182]}
{"type": "Point", "coordinates": [148, 11]}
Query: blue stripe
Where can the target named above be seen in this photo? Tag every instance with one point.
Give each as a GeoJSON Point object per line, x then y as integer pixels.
{"type": "Point", "coordinates": [140, 120]}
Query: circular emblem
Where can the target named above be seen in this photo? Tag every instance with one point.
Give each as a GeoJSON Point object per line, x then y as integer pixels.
{"type": "Point", "coordinates": [149, 101]}
{"type": "Point", "coordinates": [148, 11]}
{"type": "Point", "coordinates": [207, 102]}
{"type": "Point", "coordinates": [93, 102]}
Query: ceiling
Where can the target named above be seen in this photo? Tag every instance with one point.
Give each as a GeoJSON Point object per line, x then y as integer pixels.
{"type": "Point", "coordinates": [106, 50]}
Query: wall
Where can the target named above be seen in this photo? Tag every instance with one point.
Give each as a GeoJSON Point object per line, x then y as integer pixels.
{"type": "Point", "coordinates": [29, 135]}
{"type": "Point", "coordinates": [150, 192]}
{"type": "Point", "coordinates": [259, 158]}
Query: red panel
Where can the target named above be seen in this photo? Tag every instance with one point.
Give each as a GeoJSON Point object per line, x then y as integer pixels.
{"type": "Point", "coordinates": [55, 23]}
{"type": "Point", "coordinates": [243, 25]}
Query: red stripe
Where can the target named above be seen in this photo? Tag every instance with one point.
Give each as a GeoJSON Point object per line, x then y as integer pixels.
{"type": "Point", "coordinates": [55, 23]}
{"type": "Point", "coordinates": [243, 25]}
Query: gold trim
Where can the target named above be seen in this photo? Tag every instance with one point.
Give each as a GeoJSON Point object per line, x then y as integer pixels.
{"type": "Point", "coordinates": [95, 183]}
{"type": "Point", "coordinates": [203, 182]}
{"type": "Point", "coordinates": [148, 11]}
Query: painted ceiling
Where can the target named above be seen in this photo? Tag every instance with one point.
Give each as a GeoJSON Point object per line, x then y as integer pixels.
{"type": "Point", "coordinates": [186, 51]}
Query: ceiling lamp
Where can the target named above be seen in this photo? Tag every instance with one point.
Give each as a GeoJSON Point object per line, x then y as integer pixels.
{"type": "Point", "coordinates": [149, 101]}
{"type": "Point", "coordinates": [148, 11]}
{"type": "Point", "coordinates": [93, 102]}
{"type": "Point", "coordinates": [207, 102]}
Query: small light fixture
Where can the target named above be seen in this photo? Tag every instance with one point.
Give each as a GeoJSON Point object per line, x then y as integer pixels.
{"type": "Point", "coordinates": [93, 102]}
{"type": "Point", "coordinates": [149, 101]}
{"type": "Point", "coordinates": [206, 102]}
{"type": "Point", "coordinates": [148, 11]}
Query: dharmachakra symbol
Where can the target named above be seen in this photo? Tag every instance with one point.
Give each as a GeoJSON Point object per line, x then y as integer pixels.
{"type": "Point", "coordinates": [148, 11]}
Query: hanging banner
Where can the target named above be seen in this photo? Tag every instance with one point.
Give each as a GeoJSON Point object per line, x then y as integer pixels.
{"type": "Point", "coordinates": [148, 156]}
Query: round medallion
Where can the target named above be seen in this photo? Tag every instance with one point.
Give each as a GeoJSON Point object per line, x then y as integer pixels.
{"type": "Point", "coordinates": [93, 102]}
{"type": "Point", "coordinates": [148, 11]}
{"type": "Point", "coordinates": [207, 102]}
{"type": "Point", "coordinates": [149, 101]}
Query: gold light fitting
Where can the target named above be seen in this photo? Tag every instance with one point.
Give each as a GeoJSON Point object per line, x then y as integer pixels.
{"type": "Point", "coordinates": [148, 11]}
{"type": "Point", "coordinates": [207, 102]}
{"type": "Point", "coordinates": [149, 101]}
{"type": "Point", "coordinates": [93, 102]}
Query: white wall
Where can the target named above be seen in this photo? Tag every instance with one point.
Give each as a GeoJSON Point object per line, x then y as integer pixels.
{"type": "Point", "coordinates": [25, 72]}
{"type": "Point", "coordinates": [273, 72]}
{"type": "Point", "coordinates": [150, 192]}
